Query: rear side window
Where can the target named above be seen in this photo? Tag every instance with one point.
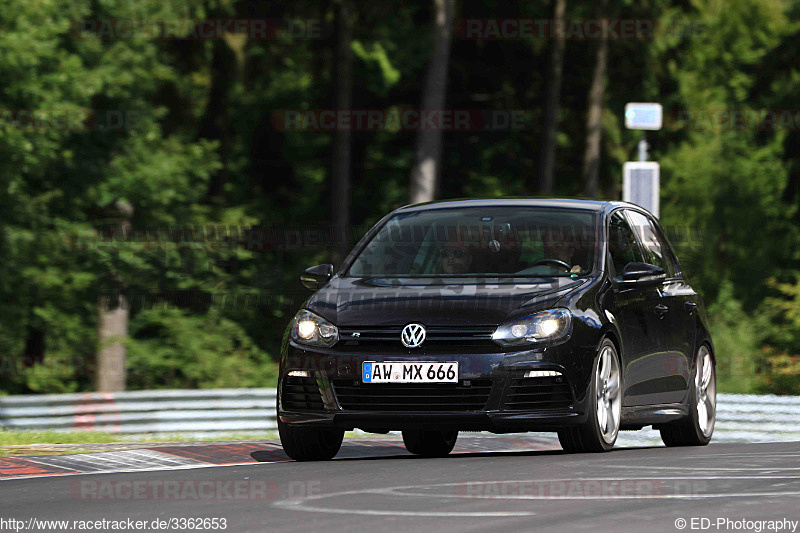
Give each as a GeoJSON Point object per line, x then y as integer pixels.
{"type": "Point", "coordinates": [622, 244]}
{"type": "Point", "coordinates": [655, 252]}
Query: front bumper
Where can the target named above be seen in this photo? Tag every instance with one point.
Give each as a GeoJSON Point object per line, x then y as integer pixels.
{"type": "Point", "coordinates": [500, 374]}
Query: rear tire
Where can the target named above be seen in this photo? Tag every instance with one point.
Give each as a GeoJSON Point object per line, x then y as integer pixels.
{"type": "Point", "coordinates": [697, 429]}
{"type": "Point", "coordinates": [310, 444]}
{"type": "Point", "coordinates": [430, 443]}
{"type": "Point", "coordinates": [599, 432]}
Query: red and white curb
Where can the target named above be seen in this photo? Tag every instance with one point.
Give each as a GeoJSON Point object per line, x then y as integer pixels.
{"type": "Point", "coordinates": [141, 459]}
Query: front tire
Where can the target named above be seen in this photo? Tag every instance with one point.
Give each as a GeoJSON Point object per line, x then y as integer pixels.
{"type": "Point", "coordinates": [599, 432]}
{"type": "Point", "coordinates": [310, 444]}
{"type": "Point", "coordinates": [696, 430]}
{"type": "Point", "coordinates": [430, 443]}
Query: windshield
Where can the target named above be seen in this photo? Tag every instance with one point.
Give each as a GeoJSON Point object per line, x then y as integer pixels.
{"type": "Point", "coordinates": [481, 242]}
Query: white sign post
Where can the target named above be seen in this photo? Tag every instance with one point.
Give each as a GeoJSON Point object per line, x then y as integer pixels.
{"type": "Point", "coordinates": [640, 180]}
{"type": "Point", "coordinates": [641, 184]}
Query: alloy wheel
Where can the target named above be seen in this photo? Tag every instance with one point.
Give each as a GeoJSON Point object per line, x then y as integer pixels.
{"type": "Point", "coordinates": [607, 390]}
{"type": "Point", "coordinates": [706, 391]}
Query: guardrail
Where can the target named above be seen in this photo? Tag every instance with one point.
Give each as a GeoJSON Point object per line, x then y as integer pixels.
{"type": "Point", "coordinates": [157, 411]}
{"type": "Point", "coordinates": [739, 416]}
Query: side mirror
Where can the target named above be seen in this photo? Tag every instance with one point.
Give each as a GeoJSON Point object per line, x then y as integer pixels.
{"type": "Point", "coordinates": [315, 277]}
{"type": "Point", "coordinates": [642, 275]}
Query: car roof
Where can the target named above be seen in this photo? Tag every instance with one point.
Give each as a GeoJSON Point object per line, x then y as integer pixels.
{"type": "Point", "coordinates": [568, 203]}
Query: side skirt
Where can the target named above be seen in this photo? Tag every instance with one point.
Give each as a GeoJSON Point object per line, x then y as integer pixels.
{"type": "Point", "coordinates": [645, 415]}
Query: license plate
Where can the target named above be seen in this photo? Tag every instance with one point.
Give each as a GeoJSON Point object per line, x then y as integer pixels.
{"type": "Point", "coordinates": [408, 372]}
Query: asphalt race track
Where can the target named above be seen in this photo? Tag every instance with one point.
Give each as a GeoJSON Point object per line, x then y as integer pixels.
{"type": "Point", "coordinates": [382, 488]}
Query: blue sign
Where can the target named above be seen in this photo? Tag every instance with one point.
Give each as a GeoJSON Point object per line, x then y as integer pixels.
{"type": "Point", "coordinates": [643, 116]}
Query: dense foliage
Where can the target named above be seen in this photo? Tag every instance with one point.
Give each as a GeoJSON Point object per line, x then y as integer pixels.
{"type": "Point", "coordinates": [188, 132]}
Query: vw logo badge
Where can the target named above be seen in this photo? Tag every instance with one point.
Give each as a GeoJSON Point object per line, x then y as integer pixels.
{"type": "Point", "coordinates": [413, 335]}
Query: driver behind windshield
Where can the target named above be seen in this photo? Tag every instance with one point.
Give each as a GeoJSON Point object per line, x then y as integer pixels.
{"type": "Point", "coordinates": [561, 247]}
{"type": "Point", "coordinates": [455, 257]}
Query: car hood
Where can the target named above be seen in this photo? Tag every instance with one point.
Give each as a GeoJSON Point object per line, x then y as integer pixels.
{"type": "Point", "coordinates": [392, 301]}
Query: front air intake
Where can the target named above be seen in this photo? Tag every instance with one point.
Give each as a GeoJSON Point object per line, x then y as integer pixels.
{"type": "Point", "coordinates": [301, 394]}
{"type": "Point", "coordinates": [353, 395]}
{"type": "Point", "coordinates": [541, 391]}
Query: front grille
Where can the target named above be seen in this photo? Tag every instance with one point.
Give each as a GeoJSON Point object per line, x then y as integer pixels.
{"type": "Point", "coordinates": [301, 394]}
{"type": "Point", "coordinates": [438, 339]}
{"type": "Point", "coordinates": [550, 392]}
{"type": "Point", "coordinates": [353, 395]}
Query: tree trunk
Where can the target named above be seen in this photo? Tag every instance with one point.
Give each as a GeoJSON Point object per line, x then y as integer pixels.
{"type": "Point", "coordinates": [112, 325]}
{"type": "Point", "coordinates": [342, 137]}
{"type": "Point", "coordinates": [226, 65]}
{"type": "Point", "coordinates": [428, 152]}
{"type": "Point", "coordinates": [34, 345]}
{"type": "Point", "coordinates": [112, 330]}
{"type": "Point", "coordinates": [791, 147]}
{"type": "Point", "coordinates": [552, 100]}
{"type": "Point", "coordinates": [594, 116]}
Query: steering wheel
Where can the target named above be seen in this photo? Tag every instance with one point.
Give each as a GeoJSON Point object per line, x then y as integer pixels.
{"type": "Point", "coordinates": [556, 262]}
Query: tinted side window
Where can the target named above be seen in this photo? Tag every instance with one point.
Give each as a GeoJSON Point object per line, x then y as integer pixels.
{"type": "Point", "coordinates": [622, 244]}
{"type": "Point", "coordinates": [654, 250]}
{"type": "Point", "coordinates": [669, 251]}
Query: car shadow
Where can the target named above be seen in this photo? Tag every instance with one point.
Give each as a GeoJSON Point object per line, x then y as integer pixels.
{"type": "Point", "coordinates": [358, 453]}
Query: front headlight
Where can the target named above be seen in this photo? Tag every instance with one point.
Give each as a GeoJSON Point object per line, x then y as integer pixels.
{"type": "Point", "coordinates": [309, 328]}
{"type": "Point", "coordinates": [540, 327]}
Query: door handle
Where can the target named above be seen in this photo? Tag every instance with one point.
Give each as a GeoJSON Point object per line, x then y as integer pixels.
{"type": "Point", "coordinates": [690, 306]}
{"type": "Point", "coordinates": [661, 310]}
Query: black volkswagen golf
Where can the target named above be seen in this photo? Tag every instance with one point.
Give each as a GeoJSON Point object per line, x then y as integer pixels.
{"type": "Point", "coordinates": [500, 315]}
